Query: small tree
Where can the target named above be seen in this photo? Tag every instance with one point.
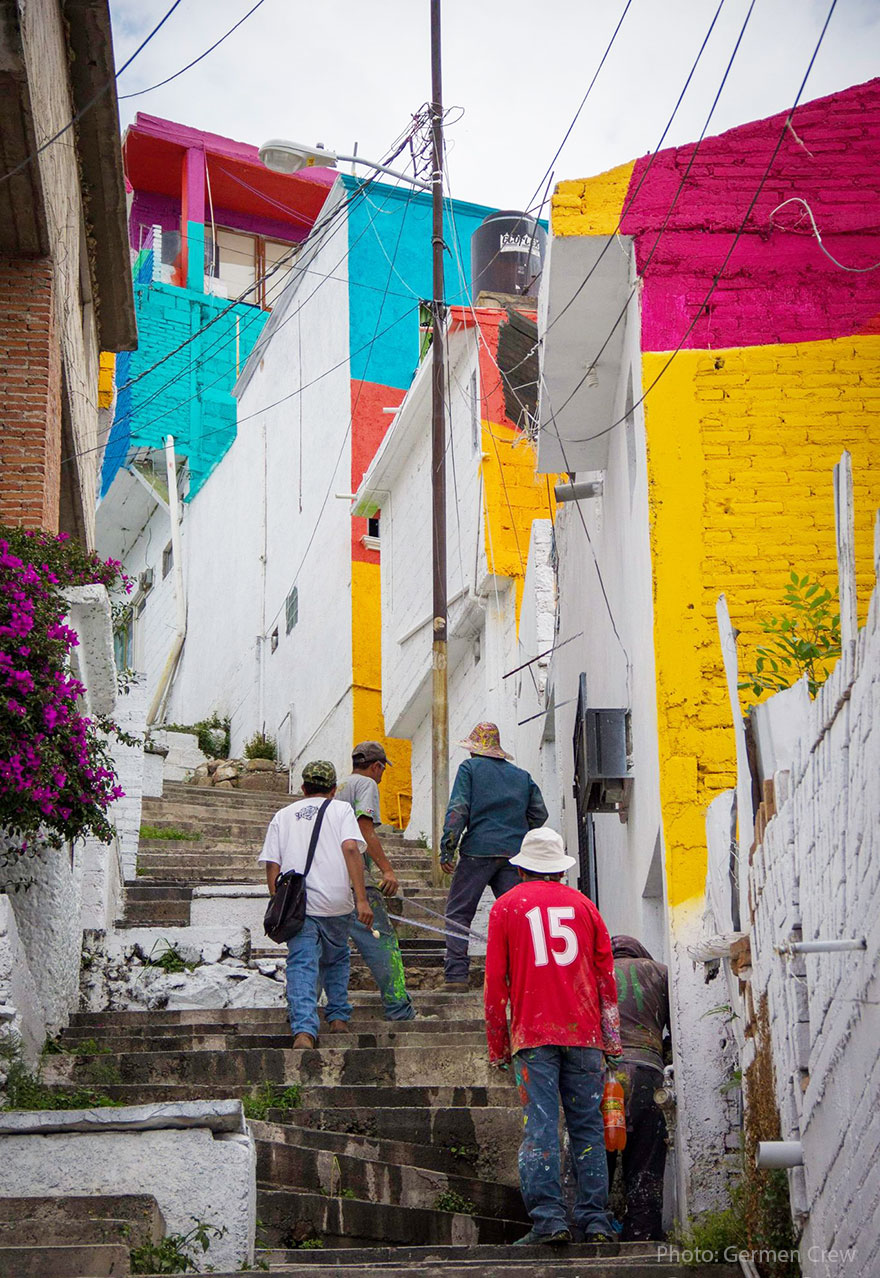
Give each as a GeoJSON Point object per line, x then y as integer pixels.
{"type": "Point", "coordinates": [804, 640]}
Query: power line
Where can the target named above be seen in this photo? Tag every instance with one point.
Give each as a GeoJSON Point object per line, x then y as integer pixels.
{"type": "Point", "coordinates": [91, 102]}
{"type": "Point", "coordinates": [796, 199]}
{"type": "Point", "coordinates": [681, 185]}
{"type": "Point", "coordinates": [716, 279]}
{"type": "Point", "coordinates": [190, 65]}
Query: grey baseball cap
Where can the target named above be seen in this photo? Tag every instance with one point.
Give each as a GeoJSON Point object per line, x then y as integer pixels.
{"type": "Point", "coordinates": [370, 752]}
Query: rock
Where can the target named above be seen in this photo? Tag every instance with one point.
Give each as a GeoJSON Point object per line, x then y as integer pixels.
{"type": "Point", "coordinates": [212, 952]}
{"type": "Point", "coordinates": [225, 785]}
{"type": "Point", "coordinates": [267, 967]}
{"type": "Point", "coordinates": [214, 764]}
{"type": "Point", "coordinates": [202, 781]}
{"type": "Point", "coordinates": [260, 765]}
{"type": "Point", "coordinates": [201, 771]}
{"type": "Point", "coordinates": [264, 781]}
{"type": "Point", "coordinates": [232, 962]}
{"type": "Point", "coordinates": [226, 772]}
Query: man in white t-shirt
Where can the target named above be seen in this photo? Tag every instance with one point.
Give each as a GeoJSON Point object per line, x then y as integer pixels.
{"type": "Point", "coordinates": [378, 945]}
{"type": "Point", "coordinates": [337, 867]}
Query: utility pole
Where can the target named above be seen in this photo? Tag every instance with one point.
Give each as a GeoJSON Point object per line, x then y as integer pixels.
{"type": "Point", "coordinates": [439, 696]}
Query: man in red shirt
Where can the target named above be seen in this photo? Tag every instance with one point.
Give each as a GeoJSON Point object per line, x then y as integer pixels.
{"type": "Point", "coordinates": [549, 956]}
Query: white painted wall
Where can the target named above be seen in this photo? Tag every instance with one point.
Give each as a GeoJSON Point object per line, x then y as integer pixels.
{"type": "Point", "coordinates": [817, 873]}
{"type": "Point", "coordinates": [247, 536]}
{"type": "Point", "coordinates": [482, 607]}
{"type": "Point", "coordinates": [610, 548]}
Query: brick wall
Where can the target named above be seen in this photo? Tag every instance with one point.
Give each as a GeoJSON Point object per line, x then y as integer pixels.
{"type": "Point", "coordinates": [817, 872]}
{"type": "Point", "coordinates": [30, 414]}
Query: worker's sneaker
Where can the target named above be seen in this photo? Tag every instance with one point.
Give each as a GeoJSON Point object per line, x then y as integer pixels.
{"type": "Point", "coordinates": [456, 987]}
{"type": "Point", "coordinates": [337, 1027]}
{"type": "Point", "coordinates": [610, 1242]}
{"type": "Point", "coordinates": [557, 1238]}
{"type": "Point", "coordinates": [304, 1040]}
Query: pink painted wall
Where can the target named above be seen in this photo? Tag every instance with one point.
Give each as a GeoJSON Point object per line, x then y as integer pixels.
{"type": "Point", "coordinates": [833, 163]}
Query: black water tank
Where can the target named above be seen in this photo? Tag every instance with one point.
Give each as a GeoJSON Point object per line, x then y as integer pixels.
{"type": "Point", "coordinates": [507, 254]}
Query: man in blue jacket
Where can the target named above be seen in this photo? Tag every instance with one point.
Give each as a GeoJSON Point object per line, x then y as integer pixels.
{"type": "Point", "coordinates": [492, 807]}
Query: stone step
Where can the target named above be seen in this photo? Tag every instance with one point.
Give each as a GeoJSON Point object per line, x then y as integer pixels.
{"type": "Point", "coordinates": [88, 1260]}
{"type": "Point", "coordinates": [352, 1174]}
{"type": "Point", "coordinates": [132, 1219]}
{"type": "Point", "coordinates": [365, 1003]}
{"type": "Point", "coordinates": [397, 1152]}
{"type": "Point", "coordinates": [417, 1033]}
{"type": "Point", "coordinates": [287, 1214]}
{"type": "Point", "coordinates": [400, 1065]}
{"type": "Point", "coordinates": [577, 1261]}
{"type": "Point", "coordinates": [155, 914]}
{"type": "Point", "coordinates": [488, 1135]}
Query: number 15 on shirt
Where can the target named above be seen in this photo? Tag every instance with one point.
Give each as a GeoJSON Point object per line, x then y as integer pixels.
{"type": "Point", "coordinates": [557, 917]}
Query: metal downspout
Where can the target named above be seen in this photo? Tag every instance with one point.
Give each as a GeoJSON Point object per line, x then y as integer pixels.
{"type": "Point", "coordinates": [179, 598]}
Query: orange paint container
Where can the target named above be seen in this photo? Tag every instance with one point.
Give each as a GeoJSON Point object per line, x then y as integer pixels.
{"type": "Point", "coordinates": [613, 1113]}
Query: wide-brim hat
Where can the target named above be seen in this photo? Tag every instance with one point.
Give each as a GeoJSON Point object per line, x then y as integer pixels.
{"type": "Point", "coordinates": [543, 852]}
{"type": "Point", "coordinates": [485, 739]}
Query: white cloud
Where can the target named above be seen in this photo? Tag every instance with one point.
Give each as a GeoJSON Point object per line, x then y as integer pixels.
{"type": "Point", "coordinates": [345, 72]}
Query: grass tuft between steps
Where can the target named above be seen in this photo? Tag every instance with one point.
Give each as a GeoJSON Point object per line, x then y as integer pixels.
{"type": "Point", "coordinates": [169, 832]}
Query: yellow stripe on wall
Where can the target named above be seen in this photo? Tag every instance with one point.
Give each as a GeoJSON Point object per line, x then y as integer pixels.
{"type": "Point", "coordinates": [367, 718]}
{"type": "Point", "coordinates": [593, 206]}
{"type": "Point", "coordinates": [741, 448]}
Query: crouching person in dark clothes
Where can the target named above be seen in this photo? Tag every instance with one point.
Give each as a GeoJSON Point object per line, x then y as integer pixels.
{"type": "Point", "coordinates": [643, 1002]}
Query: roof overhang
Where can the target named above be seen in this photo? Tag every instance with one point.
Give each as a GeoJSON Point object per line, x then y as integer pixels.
{"type": "Point", "coordinates": [240, 183]}
{"type": "Point", "coordinates": [23, 225]}
{"type": "Point", "coordinates": [578, 392]}
{"type": "Point", "coordinates": [93, 81]}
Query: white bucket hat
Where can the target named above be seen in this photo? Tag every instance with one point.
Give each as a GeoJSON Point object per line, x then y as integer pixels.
{"type": "Point", "coordinates": [543, 852]}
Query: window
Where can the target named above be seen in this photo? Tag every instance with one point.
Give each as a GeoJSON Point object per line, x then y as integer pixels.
{"type": "Point", "coordinates": [167, 560]}
{"type": "Point", "coordinates": [123, 642]}
{"type": "Point", "coordinates": [273, 640]}
{"type": "Point", "coordinates": [291, 610]}
{"type": "Point", "coordinates": [241, 261]}
{"type": "Point", "coordinates": [373, 526]}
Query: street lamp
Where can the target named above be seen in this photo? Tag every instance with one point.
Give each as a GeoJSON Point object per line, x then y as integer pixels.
{"type": "Point", "coordinates": [283, 156]}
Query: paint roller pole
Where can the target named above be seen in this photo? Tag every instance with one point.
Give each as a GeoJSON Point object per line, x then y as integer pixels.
{"type": "Point", "coordinates": [439, 691]}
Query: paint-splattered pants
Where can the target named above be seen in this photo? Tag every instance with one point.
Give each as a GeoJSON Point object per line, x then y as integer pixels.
{"type": "Point", "coordinates": [644, 1156]}
{"type": "Point", "coordinates": [382, 956]}
{"type": "Point", "coordinates": [576, 1076]}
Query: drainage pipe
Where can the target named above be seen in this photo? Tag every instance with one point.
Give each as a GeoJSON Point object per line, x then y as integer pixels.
{"type": "Point", "coordinates": [779, 1153]}
{"type": "Point", "coordinates": [179, 597]}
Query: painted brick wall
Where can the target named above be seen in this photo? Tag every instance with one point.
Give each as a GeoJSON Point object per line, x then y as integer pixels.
{"type": "Point", "coordinates": [30, 415]}
{"type": "Point", "coordinates": [741, 448]}
{"type": "Point", "coordinates": [818, 869]}
{"type": "Point", "coordinates": [190, 394]}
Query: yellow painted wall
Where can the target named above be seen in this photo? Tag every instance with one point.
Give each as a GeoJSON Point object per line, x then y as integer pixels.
{"type": "Point", "coordinates": [591, 207]}
{"type": "Point", "coordinates": [106, 372]}
{"type": "Point", "coordinates": [513, 496]}
{"type": "Point", "coordinates": [367, 718]}
{"type": "Point", "coordinates": [741, 447]}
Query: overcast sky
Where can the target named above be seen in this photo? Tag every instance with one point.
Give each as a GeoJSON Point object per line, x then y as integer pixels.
{"type": "Point", "coordinates": [345, 72]}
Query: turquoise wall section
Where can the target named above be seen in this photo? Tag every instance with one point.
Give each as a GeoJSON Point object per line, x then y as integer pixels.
{"type": "Point", "coordinates": [189, 395]}
{"type": "Point", "coordinates": [392, 224]}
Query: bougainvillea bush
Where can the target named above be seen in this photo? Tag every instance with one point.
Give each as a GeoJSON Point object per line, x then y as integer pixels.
{"type": "Point", "coordinates": [56, 773]}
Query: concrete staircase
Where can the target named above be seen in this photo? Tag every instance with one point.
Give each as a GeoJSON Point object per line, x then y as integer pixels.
{"type": "Point", "coordinates": [70, 1237]}
{"type": "Point", "coordinates": [391, 1147]}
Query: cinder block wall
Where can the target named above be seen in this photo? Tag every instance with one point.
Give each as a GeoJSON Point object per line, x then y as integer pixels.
{"type": "Point", "coordinates": [818, 870]}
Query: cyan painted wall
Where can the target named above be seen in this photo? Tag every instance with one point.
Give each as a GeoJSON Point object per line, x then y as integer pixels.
{"type": "Point", "coordinates": [393, 224]}
{"type": "Point", "coordinates": [189, 395]}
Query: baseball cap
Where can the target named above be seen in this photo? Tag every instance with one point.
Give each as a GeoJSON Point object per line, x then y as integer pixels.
{"type": "Point", "coordinates": [371, 752]}
{"type": "Point", "coordinates": [319, 772]}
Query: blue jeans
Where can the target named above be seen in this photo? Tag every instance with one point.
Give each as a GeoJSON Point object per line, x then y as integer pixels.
{"type": "Point", "coordinates": [472, 875]}
{"type": "Point", "coordinates": [322, 943]}
{"type": "Point", "coordinates": [576, 1074]}
{"type": "Point", "coordinates": [382, 956]}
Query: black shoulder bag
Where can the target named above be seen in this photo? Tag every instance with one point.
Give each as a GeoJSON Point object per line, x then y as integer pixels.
{"type": "Point", "coordinates": [286, 912]}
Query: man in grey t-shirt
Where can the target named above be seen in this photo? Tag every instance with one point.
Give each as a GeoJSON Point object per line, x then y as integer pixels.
{"type": "Point", "coordinates": [380, 953]}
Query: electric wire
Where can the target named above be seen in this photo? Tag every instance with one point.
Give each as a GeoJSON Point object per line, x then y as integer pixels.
{"type": "Point", "coordinates": [91, 102]}
{"type": "Point", "coordinates": [796, 199]}
{"type": "Point", "coordinates": [138, 93]}
{"type": "Point", "coordinates": [716, 279]}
